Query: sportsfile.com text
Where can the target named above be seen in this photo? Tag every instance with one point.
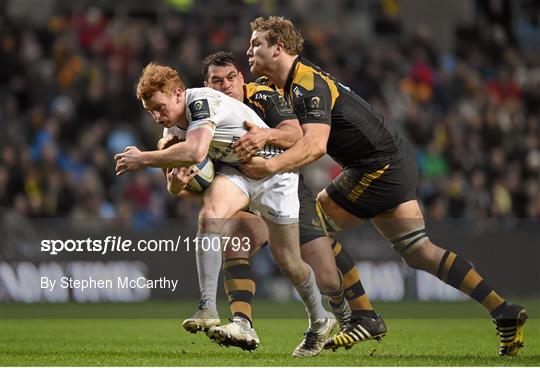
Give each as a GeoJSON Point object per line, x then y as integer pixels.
{"type": "Point", "coordinates": [118, 244]}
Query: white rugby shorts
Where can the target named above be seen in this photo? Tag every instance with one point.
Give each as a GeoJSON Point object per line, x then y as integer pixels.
{"type": "Point", "coordinates": [274, 197]}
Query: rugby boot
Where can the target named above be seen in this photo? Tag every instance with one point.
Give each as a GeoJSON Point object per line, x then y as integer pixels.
{"type": "Point", "coordinates": [357, 330]}
{"type": "Point", "coordinates": [238, 333]}
{"type": "Point", "coordinates": [203, 319]}
{"type": "Point", "coordinates": [510, 329]}
{"type": "Point", "coordinates": [315, 337]}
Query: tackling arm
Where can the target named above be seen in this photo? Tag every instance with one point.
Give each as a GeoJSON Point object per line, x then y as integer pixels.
{"type": "Point", "coordinates": [306, 150]}
{"type": "Point", "coordinates": [309, 148]}
{"type": "Point", "coordinates": [284, 127]}
{"type": "Point", "coordinates": [285, 134]}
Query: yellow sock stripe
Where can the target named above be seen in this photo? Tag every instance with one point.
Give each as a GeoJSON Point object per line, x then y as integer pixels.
{"type": "Point", "coordinates": [241, 307]}
{"type": "Point", "coordinates": [492, 301]}
{"type": "Point", "coordinates": [351, 277]}
{"type": "Point", "coordinates": [360, 303]}
{"type": "Point", "coordinates": [235, 262]}
{"type": "Point", "coordinates": [446, 268]}
{"type": "Point", "coordinates": [240, 284]}
{"type": "Point", "coordinates": [470, 281]}
{"type": "Point", "coordinates": [364, 183]}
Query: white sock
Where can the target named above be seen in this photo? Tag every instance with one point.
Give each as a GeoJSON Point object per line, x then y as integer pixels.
{"type": "Point", "coordinates": [208, 266]}
{"type": "Point", "coordinates": [311, 296]}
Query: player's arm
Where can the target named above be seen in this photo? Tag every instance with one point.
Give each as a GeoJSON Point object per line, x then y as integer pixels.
{"type": "Point", "coordinates": [165, 142]}
{"type": "Point", "coordinates": [285, 134]}
{"type": "Point", "coordinates": [309, 148]}
{"type": "Point", "coordinates": [284, 129]}
{"type": "Point", "coordinates": [177, 178]}
{"type": "Point", "coordinates": [314, 110]}
{"type": "Point", "coordinates": [193, 150]}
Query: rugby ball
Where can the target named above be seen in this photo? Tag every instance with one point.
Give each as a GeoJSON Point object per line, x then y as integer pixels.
{"type": "Point", "coordinates": [204, 177]}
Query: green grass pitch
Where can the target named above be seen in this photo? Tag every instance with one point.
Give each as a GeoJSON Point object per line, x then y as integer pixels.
{"type": "Point", "coordinates": [149, 334]}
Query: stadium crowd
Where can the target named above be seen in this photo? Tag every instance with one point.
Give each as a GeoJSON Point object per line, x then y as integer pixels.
{"type": "Point", "coordinates": [68, 105]}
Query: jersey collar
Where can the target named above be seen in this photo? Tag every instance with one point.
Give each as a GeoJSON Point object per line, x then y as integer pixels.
{"type": "Point", "coordinates": [291, 74]}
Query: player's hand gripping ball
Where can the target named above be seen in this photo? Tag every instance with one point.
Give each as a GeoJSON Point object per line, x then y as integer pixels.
{"type": "Point", "coordinates": [204, 170]}
{"type": "Point", "coordinates": [204, 177]}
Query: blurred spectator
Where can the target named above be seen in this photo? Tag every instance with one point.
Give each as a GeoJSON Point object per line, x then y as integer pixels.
{"type": "Point", "coordinates": [67, 100]}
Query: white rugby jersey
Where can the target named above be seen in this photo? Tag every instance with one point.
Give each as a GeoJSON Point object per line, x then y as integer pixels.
{"type": "Point", "coordinates": [227, 116]}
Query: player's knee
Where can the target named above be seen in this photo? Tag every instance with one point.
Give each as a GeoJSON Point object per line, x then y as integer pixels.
{"type": "Point", "coordinates": [242, 229]}
{"type": "Point", "coordinates": [286, 265]}
{"type": "Point", "coordinates": [233, 229]}
{"type": "Point", "coordinates": [292, 269]}
{"type": "Point", "coordinates": [412, 246]}
{"type": "Point", "coordinates": [212, 211]}
{"type": "Point", "coordinates": [423, 257]}
{"type": "Point", "coordinates": [210, 219]}
{"type": "Point", "coordinates": [329, 283]}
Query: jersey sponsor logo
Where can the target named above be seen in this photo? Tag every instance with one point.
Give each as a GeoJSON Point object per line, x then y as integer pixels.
{"type": "Point", "coordinates": [261, 96]}
{"type": "Point", "coordinates": [315, 107]}
{"type": "Point", "coordinates": [282, 107]}
{"type": "Point", "coordinates": [199, 110]}
{"type": "Point", "coordinates": [297, 91]}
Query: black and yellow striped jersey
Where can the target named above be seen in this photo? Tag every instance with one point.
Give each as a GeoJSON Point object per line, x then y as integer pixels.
{"type": "Point", "coordinates": [358, 133]}
{"type": "Point", "coordinates": [271, 107]}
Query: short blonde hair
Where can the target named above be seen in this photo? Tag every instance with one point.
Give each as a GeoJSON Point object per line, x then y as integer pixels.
{"type": "Point", "coordinates": [158, 78]}
{"type": "Point", "coordinates": [279, 29]}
